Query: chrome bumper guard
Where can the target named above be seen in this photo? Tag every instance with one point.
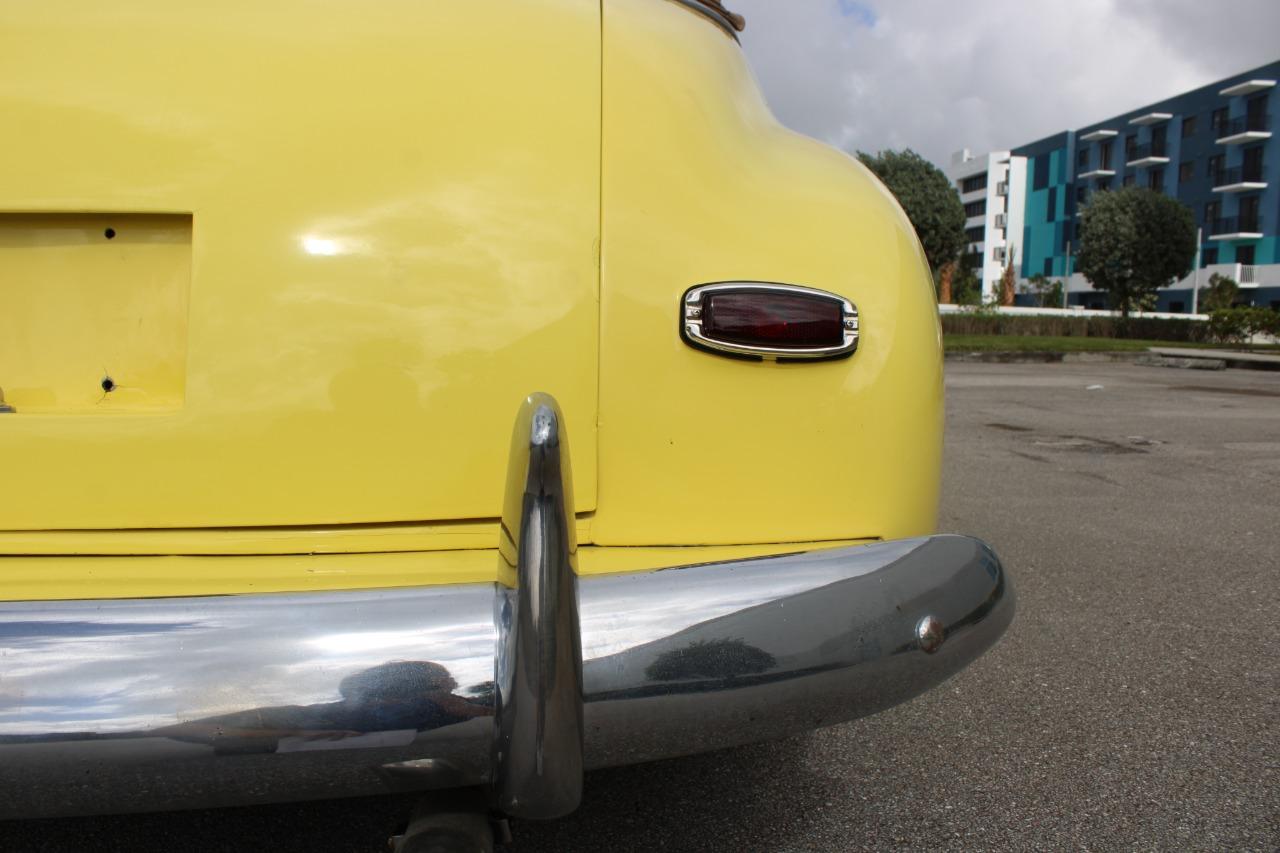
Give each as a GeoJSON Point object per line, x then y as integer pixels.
{"type": "Point", "coordinates": [135, 705]}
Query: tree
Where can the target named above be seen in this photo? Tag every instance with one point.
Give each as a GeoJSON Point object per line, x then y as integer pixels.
{"type": "Point", "coordinates": [945, 276]}
{"type": "Point", "coordinates": [1134, 241]}
{"type": "Point", "coordinates": [1219, 295]}
{"type": "Point", "coordinates": [1047, 291]}
{"type": "Point", "coordinates": [966, 288]}
{"type": "Point", "coordinates": [928, 198]}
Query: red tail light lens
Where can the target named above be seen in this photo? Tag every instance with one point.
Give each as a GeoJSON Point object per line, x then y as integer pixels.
{"type": "Point", "coordinates": [769, 320]}
{"type": "Point", "coordinates": [773, 319]}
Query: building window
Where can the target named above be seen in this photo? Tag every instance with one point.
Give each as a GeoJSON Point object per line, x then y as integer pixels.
{"type": "Point", "coordinates": [1215, 166]}
{"type": "Point", "coordinates": [1102, 184]}
{"type": "Point", "coordinates": [1244, 255]}
{"type": "Point", "coordinates": [1104, 155]}
{"type": "Point", "coordinates": [1212, 210]}
{"type": "Point", "coordinates": [1252, 170]}
{"type": "Point", "coordinates": [1081, 194]}
{"type": "Point", "coordinates": [975, 208]}
{"type": "Point", "coordinates": [1177, 307]}
{"type": "Point", "coordinates": [1051, 209]}
{"type": "Point", "coordinates": [1082, 157]}
{"type": "Point", "coordinates": [1255, 113]}
{"type": "Point", "coordinates": [1158, 135]}
{"type": "Point", "coordinates": [1188, 126]}
{"type": "Point", "coordinates": [1040, 172]}
{"type": "Point", "coordinates": [1130, 145]}
{"type": "Point", "coordinates": [1155, 180]}
{"type": "Point", "coordinates": [1218, 120]}
{"type": "Point", "coordinates": [1209, 256]}
{"type": "Point", "coordinates": [973, 184]}
{"type": "Point", "coordinates": [1048, 266]}
{"type": "Point", "coordinates": [1249, 213]}
{"type": "Point", "coordinates": [1186, 171]}
{"type": "Point", "coordinates": [975, 235]}
{"type": "Point", "coordinates": [1129, 180]}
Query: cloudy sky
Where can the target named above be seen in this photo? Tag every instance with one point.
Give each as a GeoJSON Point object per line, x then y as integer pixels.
{"type": "Point", "coordinates": [939, 75]}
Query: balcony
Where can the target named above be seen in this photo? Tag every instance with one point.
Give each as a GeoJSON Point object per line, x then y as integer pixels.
{"type": "Point", "coordinates": [1097, 173]}
{"type": "Point", "coordinates": [1146, 155]}
{"type": "Point", "coordinates": [1151, 118]}
{"type": "Point", "coordinates": [1236, 228]}
{"type": "Point", "coordinates": [1238, 179]}
{"type": "Point", "coordinates": [1098, 135]}
{"type": "Point", "coordinates": [1248, 87]}
{"type": "Point", "coordinates": [1244, 129]}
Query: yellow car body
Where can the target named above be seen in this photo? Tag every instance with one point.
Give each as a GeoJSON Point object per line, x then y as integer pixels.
{"type": "Point", "coordinates": [274, 277]}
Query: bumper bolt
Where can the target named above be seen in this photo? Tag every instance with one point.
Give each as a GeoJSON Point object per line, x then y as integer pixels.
{"type": "Point", "coordinates": [930, 632]}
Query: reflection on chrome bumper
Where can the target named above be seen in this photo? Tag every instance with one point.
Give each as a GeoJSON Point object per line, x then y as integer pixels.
{"type": "Point", "coordinates": [162, 703]}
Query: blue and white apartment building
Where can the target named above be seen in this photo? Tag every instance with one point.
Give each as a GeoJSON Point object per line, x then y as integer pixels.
{"type": "Point", "coordinates": [1216, 149]}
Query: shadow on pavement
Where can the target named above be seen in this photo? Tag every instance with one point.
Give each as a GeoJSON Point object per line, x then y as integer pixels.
{"type": "Point", "coordinates": [758, 791]}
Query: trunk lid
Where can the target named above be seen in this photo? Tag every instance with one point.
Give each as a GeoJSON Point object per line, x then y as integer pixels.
{"type": "Point", "coordinates": [273, 265]}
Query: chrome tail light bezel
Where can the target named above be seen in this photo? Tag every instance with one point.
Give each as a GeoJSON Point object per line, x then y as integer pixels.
{"type": "Point", "coordinates": [691, 330]}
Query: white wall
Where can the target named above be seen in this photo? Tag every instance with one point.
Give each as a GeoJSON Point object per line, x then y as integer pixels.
{"type": "Point", "coordinates": [1017, 205]}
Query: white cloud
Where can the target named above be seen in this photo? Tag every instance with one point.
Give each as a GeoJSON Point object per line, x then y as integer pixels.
{"type": "Point", "coordinates": [938, 76]}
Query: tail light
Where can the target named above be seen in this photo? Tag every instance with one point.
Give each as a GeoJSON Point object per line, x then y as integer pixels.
{"type": "Point", "coordinates": [769, 321]}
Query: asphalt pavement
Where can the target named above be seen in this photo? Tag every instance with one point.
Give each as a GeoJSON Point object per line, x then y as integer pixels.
{"type": "Point", "coordinates": [1132, 705]}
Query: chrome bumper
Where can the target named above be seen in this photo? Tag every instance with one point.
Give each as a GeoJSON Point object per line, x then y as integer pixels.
{"type": "Point", "coordinates": [124, 705]}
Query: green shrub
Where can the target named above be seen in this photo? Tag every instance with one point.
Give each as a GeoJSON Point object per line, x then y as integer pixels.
{"type": "Point", "coordinates": [1227, 325]}
{"type": "Point", "coordinates": [1219, 295]}
{"type": "Point", "coordinates": [1239, 325]}
{"type": "Point", "coordinates": [1266, 322]}
{"type": "Point", "coordinates": [1139, 328]}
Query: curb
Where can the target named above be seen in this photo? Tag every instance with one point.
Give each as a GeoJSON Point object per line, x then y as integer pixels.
{"type": "Point", "coordinates": [1154, 360]}
{"type": "Point", "coordinates": [1229, 358]}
